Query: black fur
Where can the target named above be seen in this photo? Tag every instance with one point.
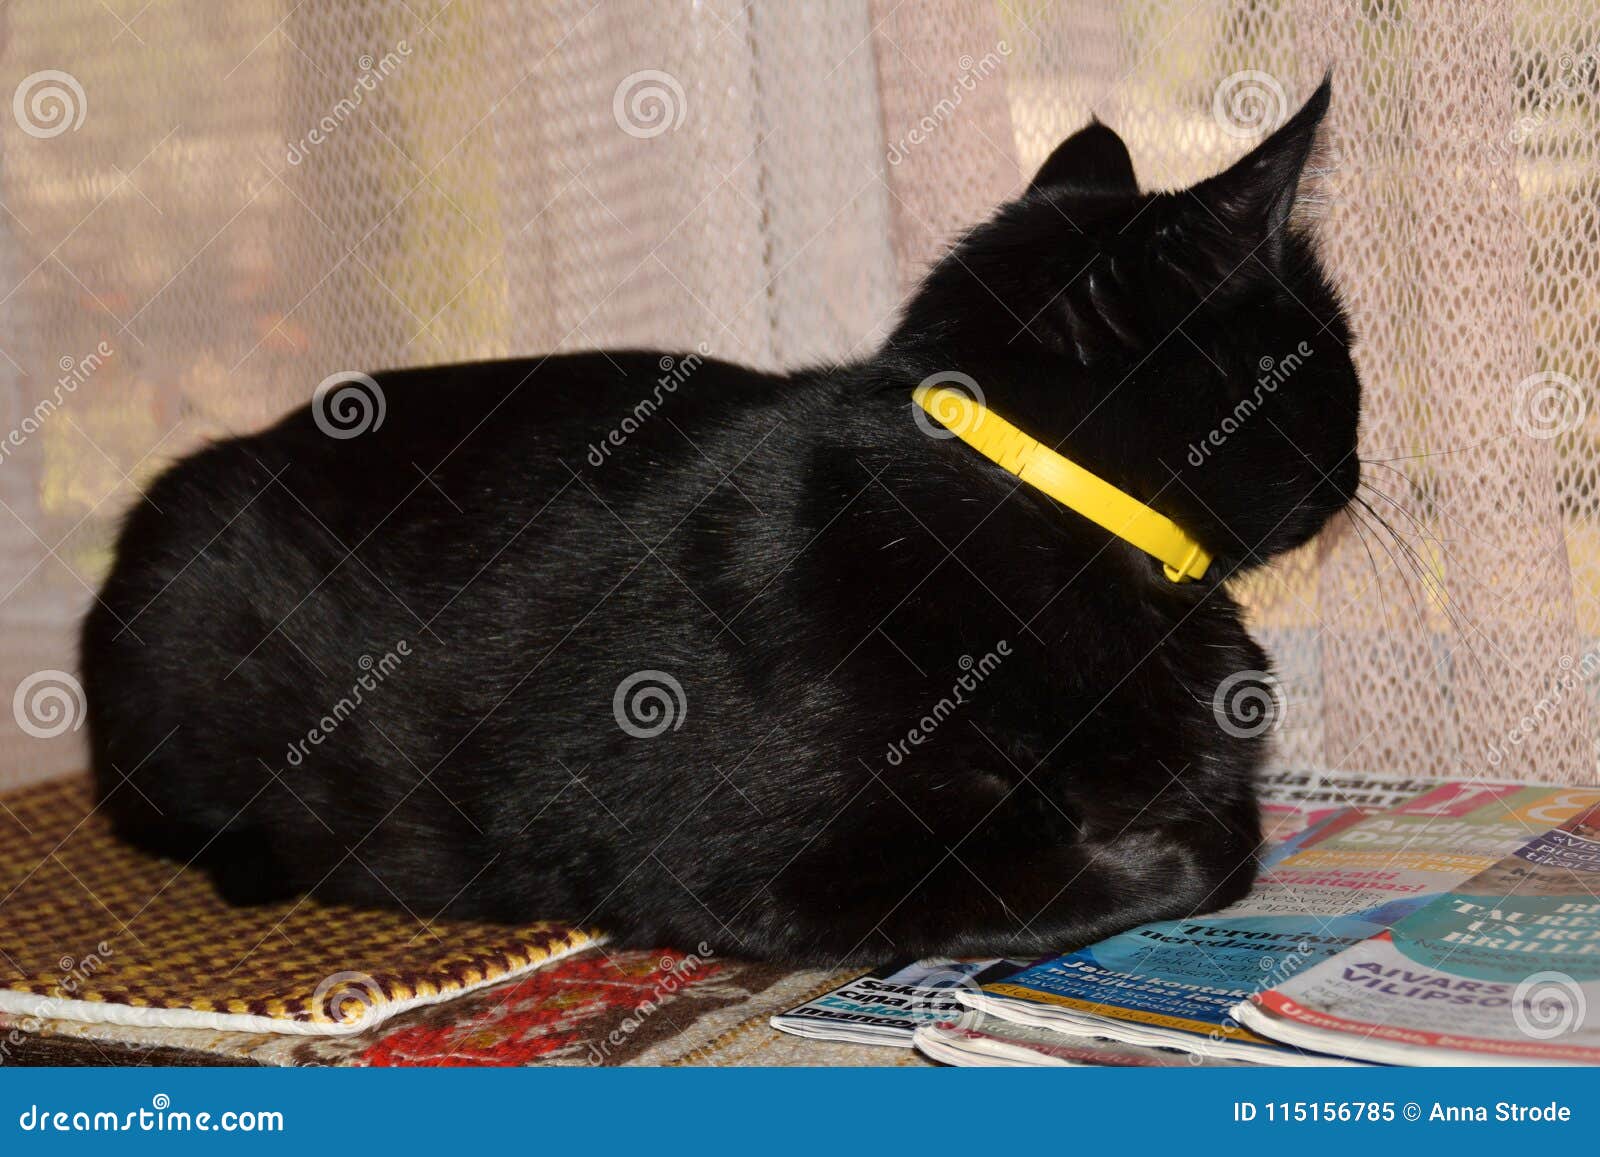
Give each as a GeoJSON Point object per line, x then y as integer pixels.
{"type": "Point", "coordinates": [811, 567]}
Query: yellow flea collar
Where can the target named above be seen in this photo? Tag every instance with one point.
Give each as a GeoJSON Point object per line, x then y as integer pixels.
{"type": "Point", "coordinates": [1065, 481]}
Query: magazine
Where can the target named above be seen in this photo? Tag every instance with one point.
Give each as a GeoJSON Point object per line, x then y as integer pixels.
{"type": "Point", "coordinates": [1295, 800]}
{"type": "Point", "coordinates": [1176, 983]}
{"type": "Point", "coordinates": [989, 1042]}
{"type": "Point", "coordinates": [1502, 970]}
{"type": "Point", "coordinates": [886, 1006]}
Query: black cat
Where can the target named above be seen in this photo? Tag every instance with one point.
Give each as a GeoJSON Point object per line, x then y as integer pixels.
{"type": "Point", "coordinates": [695, 653]}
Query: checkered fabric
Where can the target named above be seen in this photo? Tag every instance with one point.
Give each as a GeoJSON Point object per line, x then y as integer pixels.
{"type": "Point", "coordinates": [91, 929]}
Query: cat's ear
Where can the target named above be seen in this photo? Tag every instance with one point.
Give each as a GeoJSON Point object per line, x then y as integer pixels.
{"type": "Point", "coordinates": [1254, 198]}
{"type": "Point", "coordinates": [1093, 159]}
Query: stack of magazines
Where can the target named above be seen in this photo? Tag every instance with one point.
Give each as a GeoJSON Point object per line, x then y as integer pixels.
{"type": "Point", "coordinates": [1394, 921]}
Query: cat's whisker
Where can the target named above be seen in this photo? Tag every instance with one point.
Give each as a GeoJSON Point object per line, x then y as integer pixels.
{"type": "Point", "coordinates": [1416, 487]}
{"type": "Point", "coordinates": [1467, 531]}
{"type": "Point", "coordinates": [1422, 537]}
{"type": "Point", "coordinates": [1422, 533]}
{"type": "Point", "coordinates": [1425, 532]}
{"type": "Point", "coordinates": [1404, 562]}
{"type": "Point", "coordinates": [1421, 567]}
{"type": "Point", "coordinates": [1399, 562]}
{"type": "Point", "coordinates": [1431, 582]}
{"type": "Point", "coordinates": [1377, 575]}
{"type": "Point", "coordinates": [1422, 572]}
{"type": "Point", "coordinates": [1439, 453]}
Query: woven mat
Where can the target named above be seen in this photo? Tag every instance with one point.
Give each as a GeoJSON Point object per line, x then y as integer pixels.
{"type": "Point", "coordinates": [596, 1007]}
{"type": "Point", "coordinates": [91, 930]}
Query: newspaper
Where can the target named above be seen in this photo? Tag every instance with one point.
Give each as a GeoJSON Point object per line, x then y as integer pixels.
{"type": "Point", "coordinates": [1502, 970]}
{"type": "Point", "coordinates": [886, 1006]}
{"type": "Point", "coordinates": [1177, 983]}
{"type": "Point", "coordinates": [989, 1042]}
{"type": "Point", "coordinates": [1294, 800]}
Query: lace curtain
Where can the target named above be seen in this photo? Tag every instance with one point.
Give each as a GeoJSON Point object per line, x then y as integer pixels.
{"type": "Point", "coordinates": [207, 209]}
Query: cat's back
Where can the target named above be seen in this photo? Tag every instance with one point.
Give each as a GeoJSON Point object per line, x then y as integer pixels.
{"type": "Point", "coordinates": [478, 505]}
{"type": "Point", "coordinates": [447, 525]}
{"type": "Point", "coordinates": [491, 425]}
{"type": "Point", "coordinates": [456, 450]}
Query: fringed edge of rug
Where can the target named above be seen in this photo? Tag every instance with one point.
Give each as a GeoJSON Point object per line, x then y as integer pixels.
{"type": "Point", "coordinates": [103, 1012]}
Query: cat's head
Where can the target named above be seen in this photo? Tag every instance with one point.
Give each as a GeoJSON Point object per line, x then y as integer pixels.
{"type": "Point", "coordinates": [1185, 345]}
